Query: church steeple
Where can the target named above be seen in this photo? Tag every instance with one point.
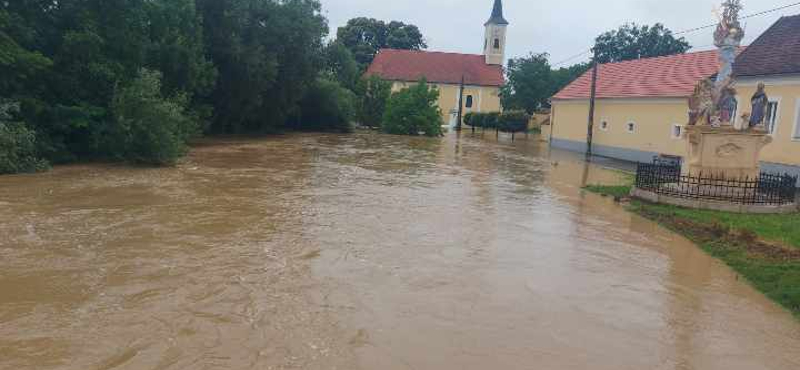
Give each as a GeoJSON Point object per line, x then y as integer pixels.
{"type": "Point", "coordinates": [494, 44]}
{"type": "Point", "coordinates": [497, 14]}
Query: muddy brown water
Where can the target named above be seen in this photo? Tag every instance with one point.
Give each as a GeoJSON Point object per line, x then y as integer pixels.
{"type": "Point", "coordinates": [362, 252]}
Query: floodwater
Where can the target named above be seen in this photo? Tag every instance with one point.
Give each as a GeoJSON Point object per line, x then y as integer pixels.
{"type": "Point", "coordinates": [363, 252]}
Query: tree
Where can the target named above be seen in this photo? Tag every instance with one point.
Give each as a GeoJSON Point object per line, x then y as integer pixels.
{"type": "Point", "coordinates": [365, 36]}
{"type": "Point", "coordinates": [341, 66]}
{"type": "Point", "coordinates": [81, 51]}
{"type": "Point", "coordinates": [414, 110]}
{"type": "Point", "coordinates": [268, 54]}
{"type": "Point", "coordinates": [149, 128]}
{"type": "Point", "coordinates": [327, 106]}
{"type": "Point", "coordinates": [632, 41]}
{"type": "Point", "coordinates": [373, 95]}
{"type": "Point", "coordinates": [228, 66]}
{"type": "Point", "coordinates": [20, 66]}
{"type": "Point", "coordinates": [565, 75]}
{"type": "Point", "coordinates": [17, 143]}
{"type": "Point", "coordinates": [532, 81]}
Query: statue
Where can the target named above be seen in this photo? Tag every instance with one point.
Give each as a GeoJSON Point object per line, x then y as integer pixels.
{"type": "Point", "coordinates": [760, 102]}
{"type": "Point", "coordinates": [701, 104]}
{"type": "Point", "coordinates": [715, 103]}
{"type": "Point", "coordinates": [717, 145]}
{"type": "Point", "coordinates": [743, 122]}
{"type": "Point", "coordinates": [725, 101]}
{"type": "Point", "coordinates": [728, 37]}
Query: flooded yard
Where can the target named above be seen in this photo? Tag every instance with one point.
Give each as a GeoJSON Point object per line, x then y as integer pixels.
{"type": "Point", "coordinates": [363, 251]}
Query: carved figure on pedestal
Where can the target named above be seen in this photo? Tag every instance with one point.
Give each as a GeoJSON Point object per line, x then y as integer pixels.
{"type": "Point", "coordinates": [701, 104]}
{"type": "Point", "coordinates": [760, 102]}
{"type": "Point", "coordinates": [727, 105]}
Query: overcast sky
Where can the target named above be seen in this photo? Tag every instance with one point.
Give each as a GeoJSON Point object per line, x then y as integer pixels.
{"type": "Point", "coordinates": [562, 28]}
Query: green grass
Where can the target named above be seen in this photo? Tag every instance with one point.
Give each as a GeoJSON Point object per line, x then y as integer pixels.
{"type": "Point", "coordinates": [783, 229]}
{"type": "Point", "coordinates": [617, 191]}
{"type": "Point", "coordinates": [764, 249]}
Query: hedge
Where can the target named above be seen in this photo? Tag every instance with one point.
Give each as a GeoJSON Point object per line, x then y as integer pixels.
{"type": "Point", "coordinates": [511, 121]}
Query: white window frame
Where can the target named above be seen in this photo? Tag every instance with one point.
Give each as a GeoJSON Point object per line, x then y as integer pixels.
{"type": "Point", "coordinates": [796, 128]}
{"type": "Point", "coordinates": [628, 127]}
{"type": "Point", "coordinates": [777, 125]}
{"type": "Point", "coordinates": [608, 125]}
{"type": "Point", "coordinates": [682, 131]}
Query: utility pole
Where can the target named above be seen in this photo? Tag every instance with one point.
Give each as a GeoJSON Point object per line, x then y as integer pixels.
{"type": "Point", "coordinates": [460, 104]}
{"type": "Point", "coordinates": [592, 102]}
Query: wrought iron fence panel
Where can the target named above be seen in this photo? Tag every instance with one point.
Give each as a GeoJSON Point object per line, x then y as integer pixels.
{"type": "Point", "coordinates": [667, 179]}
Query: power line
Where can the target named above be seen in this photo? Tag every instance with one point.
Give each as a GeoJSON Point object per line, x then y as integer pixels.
{"type": "Point", "coordinates": [691, 30]}
{"type": "Point", "coordinates": [744, 17]}
{"type": "Point", "coordinates": [573, 57]}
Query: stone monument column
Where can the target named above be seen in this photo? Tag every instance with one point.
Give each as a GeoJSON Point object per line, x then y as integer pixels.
{"type": "Point", "coordinates": [715, 148]}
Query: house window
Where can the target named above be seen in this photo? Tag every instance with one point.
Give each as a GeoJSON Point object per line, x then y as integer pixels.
{"type": "Point", "coordinates": [677, 131]}
{"type": "Point", "coordinates": [771, 119]}
{"type": "Point", "coordinates": [604, 126]}
{"type": "Point", "coordinates": [796, 134]}
{"type": "Point", "coordinates": [631, 127]}
{"type": "Point", "coordinates": [469, 101]}
{"type": "Point", "coordinates": [497, 43]}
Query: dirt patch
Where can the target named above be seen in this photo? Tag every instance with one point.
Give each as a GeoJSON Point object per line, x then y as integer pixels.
{"type": "Point", "coordinates": [723, 235]}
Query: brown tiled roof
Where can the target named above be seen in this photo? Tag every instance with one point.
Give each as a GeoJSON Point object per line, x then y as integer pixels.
{"type": "Point", "coordinates": [411, 65]}
{"type": "Point", "coordinates": [666, 77]}
{"type": "Point", "coordinates": [775, 52]}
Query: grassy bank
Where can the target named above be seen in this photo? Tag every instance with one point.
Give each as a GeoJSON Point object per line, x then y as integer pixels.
{"type": "Point", "coordinates": [764, 249]}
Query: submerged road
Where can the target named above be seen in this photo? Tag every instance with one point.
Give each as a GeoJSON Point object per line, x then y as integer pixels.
{"type": "Point", "coordinates": [363, 251]}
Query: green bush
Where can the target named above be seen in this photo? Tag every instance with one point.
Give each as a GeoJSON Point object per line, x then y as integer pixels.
{"type": "Point", "coordinates": [482, 120]}
{"type": "Point", "coordinates": [469, 119]}
{"type": "Point", "coordinates": [18, 149]}
{"type": "Point", "coordinates": [373, 95]}
{"type": "Point", "coordinates": [413, 111]}
{"type": "Point", "coordinates": [149, 128]}
{"type": "Point", "coordinates": [491, 120]}
{"type": "Point", "coordinates": [18, 152]}
{"type": "Point", "coordinates": [513, 121]}
{"type": "Point", "coordinates": [327, 106]}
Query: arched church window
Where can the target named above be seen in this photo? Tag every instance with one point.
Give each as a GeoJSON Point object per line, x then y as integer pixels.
{"type": "Point", "coordinates": [469, 101]}
{"type": "Point", "coordinates": [497, 43]}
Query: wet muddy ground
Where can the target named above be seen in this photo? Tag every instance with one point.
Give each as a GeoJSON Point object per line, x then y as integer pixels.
{"type": "Point", "coordinates": [362, 252]}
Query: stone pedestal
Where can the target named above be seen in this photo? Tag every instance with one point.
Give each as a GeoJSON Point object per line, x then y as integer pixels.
{"type": "Point", "coordinates": [724, 152]}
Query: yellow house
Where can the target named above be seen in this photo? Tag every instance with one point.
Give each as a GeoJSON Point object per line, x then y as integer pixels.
{"type": "Point", "coordinates": [640, 111]}
{"type": "Point", "coordinates": [774, 58]}
{"type": "Point", "coordinates": [642, 105]}
{"type": "Point", "coordinates": [482, 75]}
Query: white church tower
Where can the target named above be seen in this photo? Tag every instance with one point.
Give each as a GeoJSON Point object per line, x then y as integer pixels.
{"type": "Point", "coordinates": [495, 39]}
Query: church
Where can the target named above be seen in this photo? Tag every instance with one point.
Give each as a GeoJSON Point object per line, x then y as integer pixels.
{"type": "Point", "coordinates": [482, 74]}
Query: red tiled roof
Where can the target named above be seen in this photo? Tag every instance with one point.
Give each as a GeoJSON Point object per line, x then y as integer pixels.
{"type": "Point", "coordinates": [775, 52]}
{"type": "Point", "coordinates": [669, 76]}
{"type": "Point", "coordinates": [411, 65]}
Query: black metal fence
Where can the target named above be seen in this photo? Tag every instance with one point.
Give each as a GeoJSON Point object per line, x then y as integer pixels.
{"type": "Point", "coordinates": [667, 179]}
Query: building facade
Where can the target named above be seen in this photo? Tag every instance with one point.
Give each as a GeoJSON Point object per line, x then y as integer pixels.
{"type": "Point", "coordinates": [482, 76]}
{"type": "Point", "coordinates": [640, 111]}
{"type": "Point", "coordinates": [642, 106]}
{"type": "Point", "coordinates": [774, 59]}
